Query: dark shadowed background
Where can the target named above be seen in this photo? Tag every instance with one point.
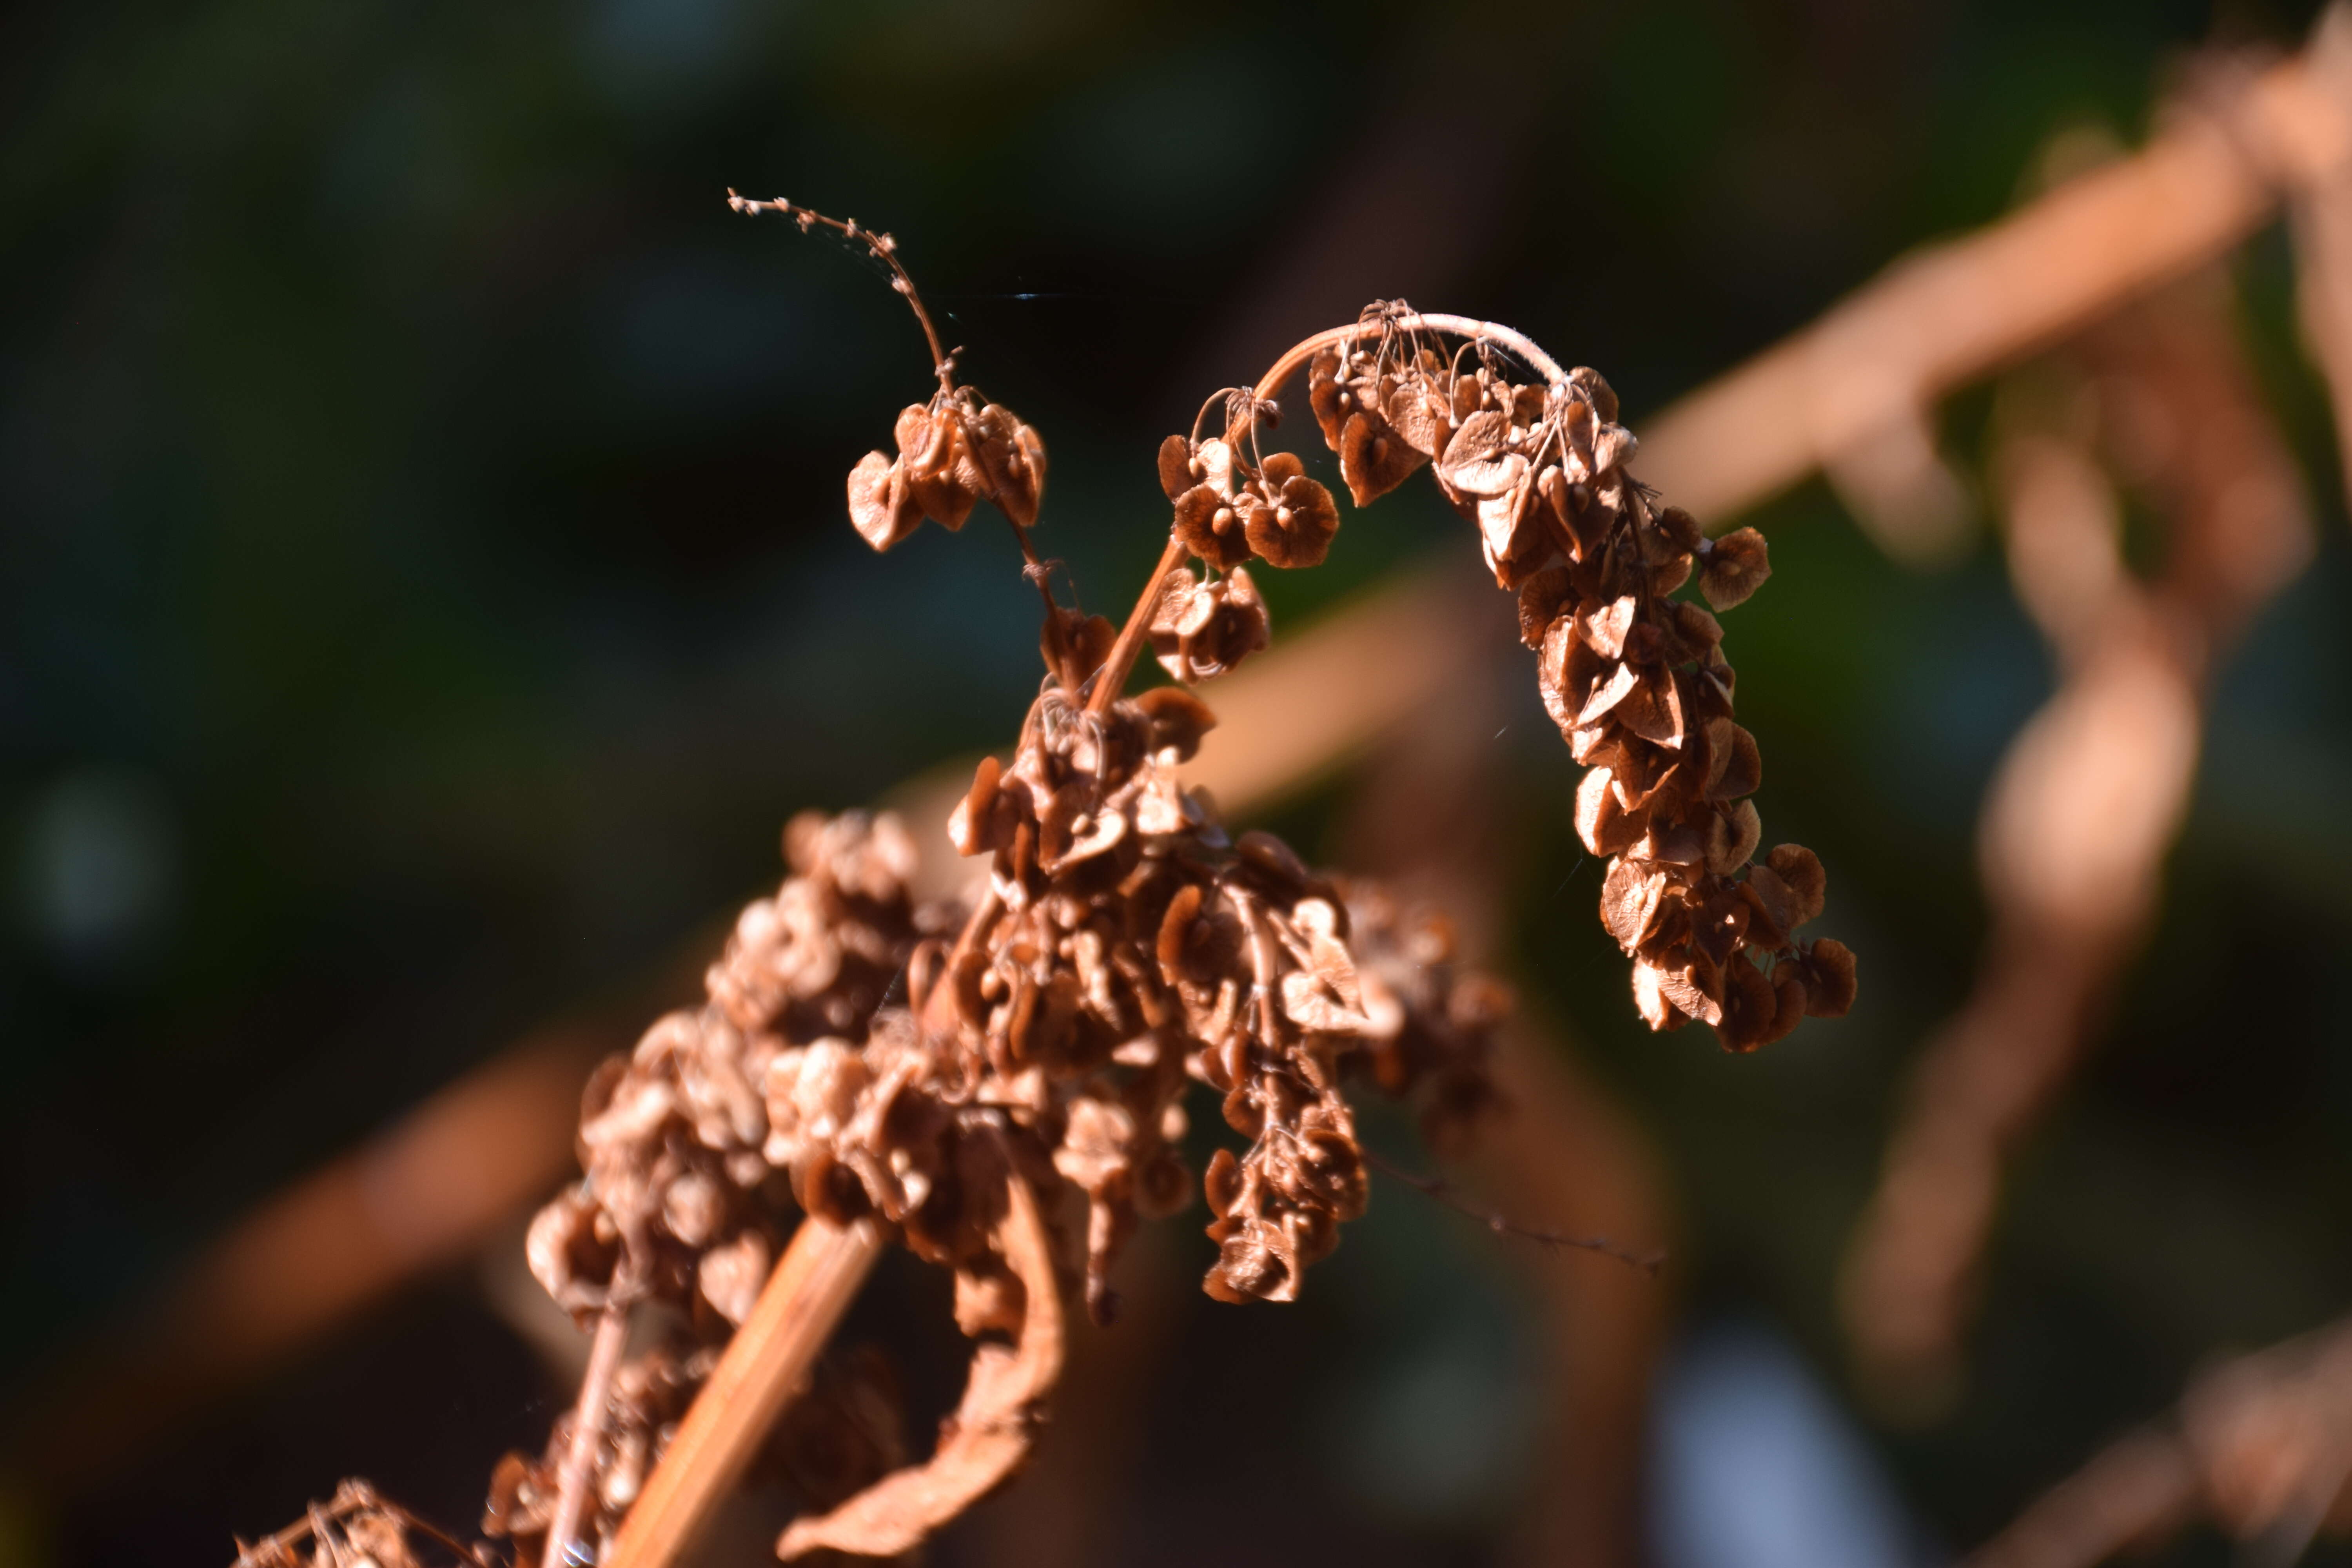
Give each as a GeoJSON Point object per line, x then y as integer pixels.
{"type": "Point", "coordinates": [426, 588]}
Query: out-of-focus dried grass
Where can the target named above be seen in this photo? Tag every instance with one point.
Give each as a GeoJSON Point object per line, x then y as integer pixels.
{"type": "Point", "coordinates": [1852, 392]}
{"type": "Point", "coordinates": [2261, 1446]}
{"type": "Point", "coordinates": [2093, 790]}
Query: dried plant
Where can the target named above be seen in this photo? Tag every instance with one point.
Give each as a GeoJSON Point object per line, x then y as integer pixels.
{"type": "Point", "coordinates": [999, 1084]}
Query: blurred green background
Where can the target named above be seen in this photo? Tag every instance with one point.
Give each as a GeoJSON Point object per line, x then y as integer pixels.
{"type": "Point", "coordinates": [424, 590]}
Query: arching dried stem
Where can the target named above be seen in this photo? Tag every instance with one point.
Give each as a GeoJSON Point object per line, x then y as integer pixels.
{"type": "Point", "coordinates": [879, 245]}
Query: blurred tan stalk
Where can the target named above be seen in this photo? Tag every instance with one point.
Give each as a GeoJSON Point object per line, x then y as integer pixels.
{"type": "Point", "coordinates": [2093, 791]}
{"type": "Point", "coordinates": [2261, 1446]}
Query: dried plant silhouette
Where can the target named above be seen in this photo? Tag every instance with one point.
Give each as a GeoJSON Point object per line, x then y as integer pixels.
{"type": "Point", "coordinates": [1000, 1083]}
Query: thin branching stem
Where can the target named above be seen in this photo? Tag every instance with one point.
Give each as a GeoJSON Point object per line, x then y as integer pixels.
{"type": "Point", "coordinates": [1138, 620]}
{"type": "Point", "coordinates": [882, 248]}
{"type": "Point", "coordinates": [579, 1468]}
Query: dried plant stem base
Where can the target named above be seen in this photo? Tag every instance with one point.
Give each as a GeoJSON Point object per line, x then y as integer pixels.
{"type": "Point", "coordinates": [766, 1363]}
{"type": "Point", "coordinates": [588, 1424]}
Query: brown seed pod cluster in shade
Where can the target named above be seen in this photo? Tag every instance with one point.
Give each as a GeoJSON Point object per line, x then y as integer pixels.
{"type": "Point", "coordinates": [1636, 679]}
{"type": "Point", "coordinates": [358, 1528]}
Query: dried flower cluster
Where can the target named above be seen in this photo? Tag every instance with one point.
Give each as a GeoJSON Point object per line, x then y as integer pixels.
{"type": "Point", "coordinates": [1001, 1085]}
{"type": "Point", "coordinates": [1636, 679]}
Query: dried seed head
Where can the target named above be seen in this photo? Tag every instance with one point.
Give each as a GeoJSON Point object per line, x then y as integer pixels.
{"type": "Point", "coordinates": [1203, 629]}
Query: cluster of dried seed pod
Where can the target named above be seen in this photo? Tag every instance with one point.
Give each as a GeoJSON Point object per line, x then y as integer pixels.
{"type": "Point", "coordinates": [1636, 679]}
{"type": "Point", "coordinates": [953, 452]}
{"type": "Point", "coordinates": [1231, 506]}
{"type": "Point", "coordinates": [683, 1203]}
{"type": "Point", "coordinates": [1125, 945]}
{"type": "Point", "coordinates": [1123, 948]}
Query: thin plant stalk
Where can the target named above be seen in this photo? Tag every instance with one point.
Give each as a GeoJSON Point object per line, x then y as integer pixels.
{"type": "Point", "coordinates": [765, 1365]}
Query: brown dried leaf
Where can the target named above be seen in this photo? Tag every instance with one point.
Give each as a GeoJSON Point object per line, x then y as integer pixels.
{"type": "Point", "coordinates": [987, 1437]}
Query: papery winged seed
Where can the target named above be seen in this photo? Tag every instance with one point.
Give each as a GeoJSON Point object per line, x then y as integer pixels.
{"type": "Point", "coordinates": [1750, 1006]}
{"type": "Point", "coordinates": [1603, 629]}
{"type": "Point", "coordinates": [1630, 896]}
{"type": "Point", "coordinates": [1742, 767]}
{"type": "Point", "coordinates": [1602, 823]}
{"type": "Point", "coordinates": [1216, 460]}
{"type": "Point", "coordinates": [1091, 837]}
{"type": "Point", "coordinates": [1675, 843]}
{"type": "Point", "coordinates": [880, 508]}
{"type": "Point", "coordinates": [1499, 519]}
{"type": "Point", "coordinates": [1654, 710]}
{"type": "Point", "coordinates": [1490, 477]}
{"type": "Point", "coordinates": [1477, 438]}
{"type": "Point", "coordinates": [1774, 904]}
{"type": "Point", "coordinates": [1608, 695]}
{"type": "Point", "coordinates": [1735, 567]}
{"type": "Point", "coordinates": [1176, 474]}
{"type": "Point", "coordinates": [1323, 396]}
{"type": "Point", "coordinates": [1540, 602]}
{"type": "Point", "coordinates": [914, 432]}
{"type": "Point", "coordinates": [1789, 1002]}
{"type": "Point", "coordinates": [1693, 990]}
{"type": "Point", "coordinates": [1418, 413]}
{"type": "Point", "coordinates": [1374, 459]}
{"type": "Point", "coordinates": [1308, 1003]}
{"type": "Point", "coordinates": [1800, 870]}
{"type": "Point", "coordinates": [1650, 999]}
{"type": "Point", "coordinates": [1732, 837]}
{"type": "Point", "coordinates": [1830, 981]}
{"type": "Point", "coordinates": [1613, 448]}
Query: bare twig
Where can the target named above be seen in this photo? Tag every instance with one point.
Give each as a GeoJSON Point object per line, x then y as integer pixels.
{"type": "Point", "coordinates": [765, 1365]}
{"type": "Point", "coordinates": [2260, 1446]}
{"type": "Point", "coordinates": [1437, 1187]}
{"type": "Point", "coordinates": [588, 1423]}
